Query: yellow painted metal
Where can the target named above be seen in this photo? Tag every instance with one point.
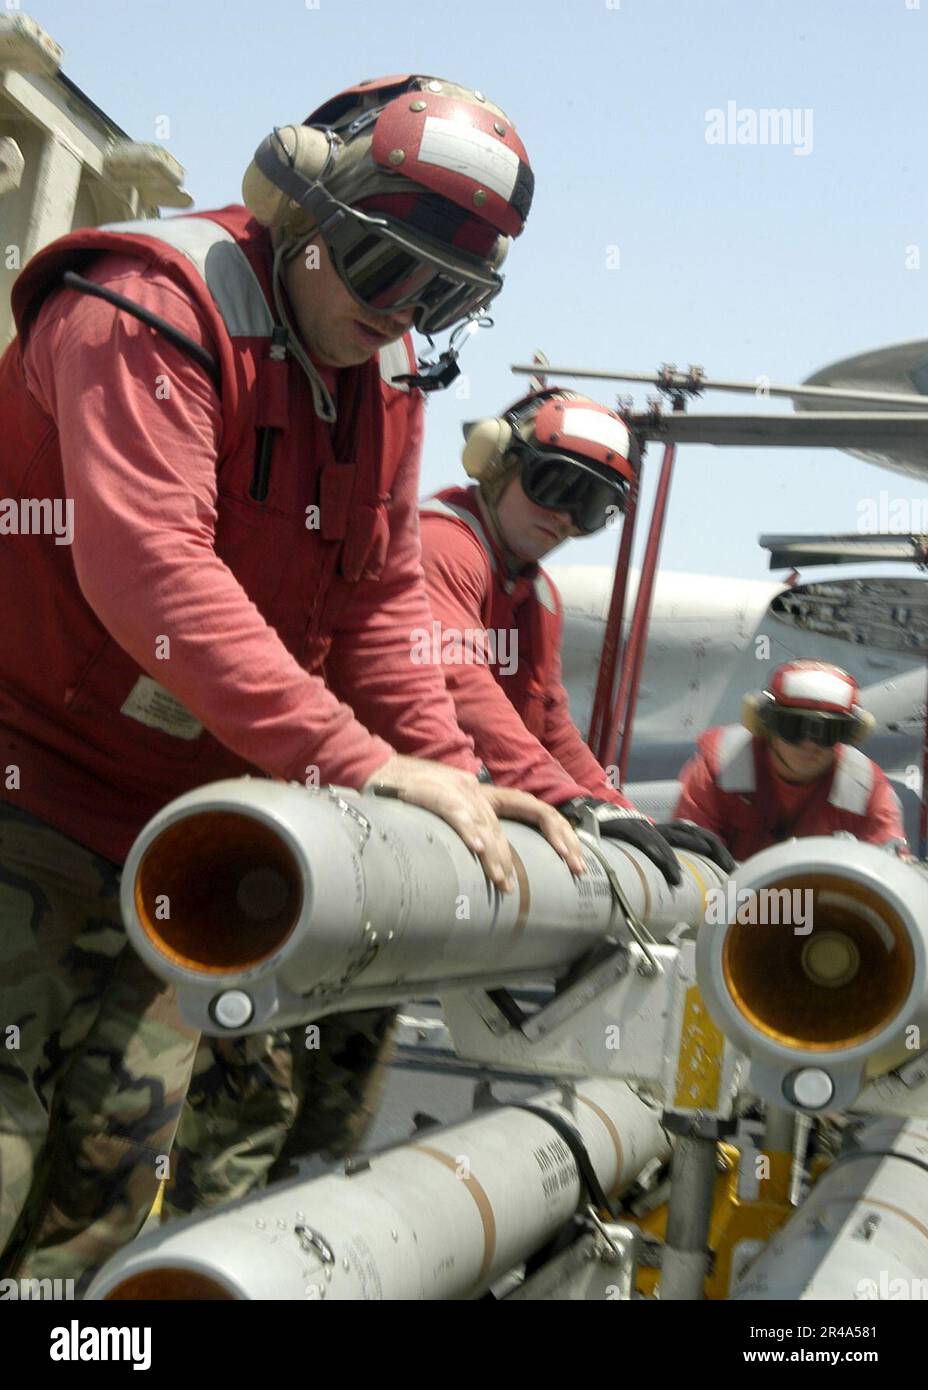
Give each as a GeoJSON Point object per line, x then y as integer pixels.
{"type": "Point", "coordinates": [734, 1218]}
{"type": "Point", "coordinates": [699, 1065]}
{"type": "Point", "coordinates": [693, 867]}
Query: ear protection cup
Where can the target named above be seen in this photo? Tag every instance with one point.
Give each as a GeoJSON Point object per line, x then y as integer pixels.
{"type": "Point", "coordinates": [485, 446]}
{"type": "Point", "coordinates": [500, 252]}
{"type": "Point", "coordinates": [751, 716]}
{"type": "Point", "coordinates": [488, 440]}
{"type": "Point", "coordinates": [864, 728]}
{"type": "Point", "coordinates": [309, 150]}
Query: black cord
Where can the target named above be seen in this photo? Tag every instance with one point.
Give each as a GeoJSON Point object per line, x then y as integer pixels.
{"type": "Point", "coordinates": [180, 340]}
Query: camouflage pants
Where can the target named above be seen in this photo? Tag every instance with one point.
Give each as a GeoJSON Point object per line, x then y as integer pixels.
{"type": "Point", "coordinates": [94, 1060]}
{"type": "Point", "coordinates": [258, 1103]}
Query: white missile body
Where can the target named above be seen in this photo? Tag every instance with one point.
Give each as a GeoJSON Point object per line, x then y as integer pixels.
{"type": "Point", "coordinates": [441, 1217]}
{"type": "Point", "coordinates": [862, 1233]}
{"type": "Point", "coordinates": [268, 904]}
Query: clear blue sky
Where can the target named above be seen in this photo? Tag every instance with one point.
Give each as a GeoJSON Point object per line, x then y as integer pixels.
{"type": "Point", "coordinates": [750, 259]}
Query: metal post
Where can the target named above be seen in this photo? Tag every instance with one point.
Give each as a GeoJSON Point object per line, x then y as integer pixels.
{"type": "Point", "coordinates": [779, 1130]}
{"type": "Point", "coordinates": [627, 698]}
{"type": "Point", "coordinates": [923, 810]}
{"type": "Point", "coordinates": [692, 1177]}
{"type": "Point", "coordinates": [612, 640]}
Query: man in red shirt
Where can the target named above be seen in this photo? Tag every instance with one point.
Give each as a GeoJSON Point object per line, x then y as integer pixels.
{"type": "Point", "coordinates": [223, 408]}
{"type": "Point", "coordinates": [792, 768]}
{"type": "Point", "coordinates": [555, 465]}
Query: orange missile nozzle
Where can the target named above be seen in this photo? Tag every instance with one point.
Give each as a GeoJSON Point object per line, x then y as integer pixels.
{"type": "Point", "coordinates": [829, 989]}
{"type": "Point", "coordinates": [218, 892]}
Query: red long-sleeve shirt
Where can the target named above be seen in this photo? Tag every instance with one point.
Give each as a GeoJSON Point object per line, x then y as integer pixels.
{"type": "Point", "coordinates": [753, 817]}
{"type": "Point", "coordinates": [140, 466]}
{"type": "Point", "coordinates": [555, 764]}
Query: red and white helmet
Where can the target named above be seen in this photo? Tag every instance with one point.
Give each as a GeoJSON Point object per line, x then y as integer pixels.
{"type": "Point", "coordinates": [809, 700]}
{"type": "Point", "coordinates": [574, 454]}
{"type": "Point", "coordinates": [815, 685]}
{"type": "Point", "coordinates": [437, 136]}
{"type": "Point", "coordinates": [415, 184]}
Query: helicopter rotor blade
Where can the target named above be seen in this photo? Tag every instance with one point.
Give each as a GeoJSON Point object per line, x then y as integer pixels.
{"type": "Point", "coordinates": [686, 383]}
{"type": "Point", "coordinates": [807, 551]}
{"type": "Point", "coordinates": [824, 429]}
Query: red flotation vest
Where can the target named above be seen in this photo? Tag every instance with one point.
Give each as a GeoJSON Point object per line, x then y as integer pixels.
{"type": "Point", "coordinates": [76, 712]}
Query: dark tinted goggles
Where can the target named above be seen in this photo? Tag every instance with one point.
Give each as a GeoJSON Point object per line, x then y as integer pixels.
{"type": "Point", "coordinates": [385, 270]}
{"type": "Point", "coordinates": [795, 726]}
{"type": "Point", "coordinates": [556, 482]}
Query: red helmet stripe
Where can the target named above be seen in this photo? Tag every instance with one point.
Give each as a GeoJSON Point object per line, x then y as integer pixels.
{"type": "Point", "coordinates": [347, 101]}
{"type": "Point", "coordinates": [459, 150]}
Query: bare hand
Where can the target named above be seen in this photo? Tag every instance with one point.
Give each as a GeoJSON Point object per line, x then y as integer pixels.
{"type": "Point", "coordinates": [471, 808]}
{"type": "Point", "coordinates": [459, 799]}
{"type": "Point", "coordinates": [515, 805]}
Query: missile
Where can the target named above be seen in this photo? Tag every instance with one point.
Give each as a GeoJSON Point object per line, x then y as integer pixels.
{"type": "Point", "coordinates": [862, 1233]}
{"type": "Point", "coordinates": [443, 1216]}
{"type": "Point", "coordinates": [269, 904]}
{"type": "Point", "coordinates": [820, 973]}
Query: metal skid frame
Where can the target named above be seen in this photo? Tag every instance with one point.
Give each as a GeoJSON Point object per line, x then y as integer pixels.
{"type": "Point", "coordinates": [619, 1018]}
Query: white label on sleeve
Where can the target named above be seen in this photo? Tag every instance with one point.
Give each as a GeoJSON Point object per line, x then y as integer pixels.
{"type": "Point", "coordinates": [152, 705]}
{"type": "Point", "coordinates": [459, 146]}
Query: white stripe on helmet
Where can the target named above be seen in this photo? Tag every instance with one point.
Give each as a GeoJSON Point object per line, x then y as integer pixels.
{"type": "Point", "coordinates": [461, 147]}
{"type": "Point", "coordinates": [579, 422]}
{"type": "Point", "coordinates": [818, 687]}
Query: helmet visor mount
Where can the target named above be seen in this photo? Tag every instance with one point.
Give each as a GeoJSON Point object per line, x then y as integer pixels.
{"type": "Point", "coordinates": [561, 484]}
{"type": "Point", "coordinates": [796, 726]}
{"type": "Point", "coordinates": [386, 268]}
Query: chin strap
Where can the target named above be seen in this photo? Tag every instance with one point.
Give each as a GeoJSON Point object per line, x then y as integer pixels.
{"type": "Point", "coordinates": [322, 401]}
{"type": "Point", "coordinates": [435, 376]}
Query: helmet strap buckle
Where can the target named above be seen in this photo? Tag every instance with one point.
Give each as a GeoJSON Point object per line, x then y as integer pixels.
{"type": "Point", "coordinates": [434, 376]}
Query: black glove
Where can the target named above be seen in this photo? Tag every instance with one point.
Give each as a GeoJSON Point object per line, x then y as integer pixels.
{"type": "Point", "coordinates": [684, 834]}
{"type": "Point", "coordinates": [621, 823]}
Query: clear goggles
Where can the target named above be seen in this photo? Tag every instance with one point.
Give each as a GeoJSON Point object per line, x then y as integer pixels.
{"type": "Point", "coordinates": [798, 726]}
{"type": "Point", "coordinates": [560, 484]}
{"type": "Point", "coordinates": [387, 268]}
